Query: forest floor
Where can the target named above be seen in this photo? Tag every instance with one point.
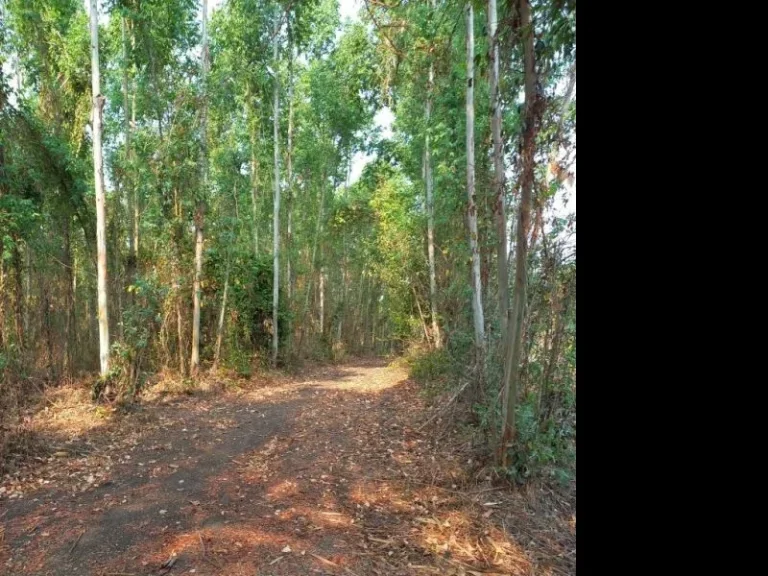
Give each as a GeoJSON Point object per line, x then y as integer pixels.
{"type": "Point", "coordinates": [327, 473]}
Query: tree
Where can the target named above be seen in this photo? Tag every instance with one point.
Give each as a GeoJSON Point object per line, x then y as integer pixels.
{"type": "Point", "coordinates": [98, 176]}
{"type": "Point", "coordinates": [200, 212]}
{"type": "Point", "coordinates": [438, 340]}
{"type": "Point", "coordinates": [276, 209]}
{"type": "Point", "coordinates": [477, 296]}
{"type": "Point", "coordinates": [515, 327]}
{"type": "Point", "coordinates": [498, 169]}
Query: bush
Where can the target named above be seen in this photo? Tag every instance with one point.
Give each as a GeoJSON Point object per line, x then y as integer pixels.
{"type": "Point", "coordinates": [430, 366]}
{"type": "Point", "coordinates": [544, 450]}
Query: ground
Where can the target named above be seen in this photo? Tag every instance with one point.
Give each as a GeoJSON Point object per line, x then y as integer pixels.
{"type": "Point", "coordinates": [327, 473]}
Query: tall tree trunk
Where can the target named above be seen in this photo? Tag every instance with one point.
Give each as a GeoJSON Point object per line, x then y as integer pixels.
{"type": "Point", "coordinates": [498, 170]}
{"type": "Point", "coordinates": [289, 173]}
{"type": "Point", "coordinates": [477, 291]}
{"type": "Point", "coordinates": [200, 212]}
{"type": "Point", "coordinates": [254, 189]}
{"type": "Point", "coordinates": [136, 197]}
{"type": "Point", "coordinates": [28, 289]}
{"type": "Point", "coordinates": [438, 340]}
{"type": "Point", "coordinates": [222, 312]}
{"type": "Point", "coordinates": [127, 181]}
{"type": "Point", "coordinates": [318, 232]}
{"type": "Point", "coordinates": [46, 305]}
{"type": "Point", "coordinates": [514, 332]}
{"type": "Point", "coordinates": [276, 208]}
{"type": "Point", "coordinates": [18, 307]}
{"type": "Point", "coordinates": [118, 277]}
{"type": "Point", "coordinates": [180, 336]}
{"type": "Point", "coordinates": [2, 296]}
{"type": "Point", "coordinates": [421, 314]}
{"type": "Point", "coordinates": [312, 264]}
{"type": "Point", "coordinates": [69, 321]}
{"type": "Point", "coordinates": [552, 353]}
{"type": "Point", "coordinates": [2, 193]}
{"type": "Point", "coordinates": [98, 174]}
{"type": "Point", "coordinates": [322, 301]}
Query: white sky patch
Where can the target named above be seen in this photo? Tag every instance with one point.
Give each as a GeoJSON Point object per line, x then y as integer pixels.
{"type": "Point", "coordinates": [349, 9]}
{"type": "Point", "coordinates": [383, 119]}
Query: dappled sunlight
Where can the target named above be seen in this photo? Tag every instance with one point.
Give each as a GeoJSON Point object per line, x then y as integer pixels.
{"type": "Point", "coordinates": [373, 382]}
{"type": "Point", "coordinates": [380, 496]}
{"type": "Point", "coordinates": [69, 412]}
{"type": "Point", "coordinates": [304, 481]}
{"type": "Point", "coordinates": [282, 490]}
{"type": "Point", "coordinates": [461, 541]}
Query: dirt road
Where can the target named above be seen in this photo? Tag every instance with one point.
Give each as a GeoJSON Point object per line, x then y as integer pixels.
{"type": "Point", "coordinates": [324, 474]}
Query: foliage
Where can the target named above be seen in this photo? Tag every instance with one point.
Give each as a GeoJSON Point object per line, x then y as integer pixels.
{"type": "Point", "coordinates": [353, 265]}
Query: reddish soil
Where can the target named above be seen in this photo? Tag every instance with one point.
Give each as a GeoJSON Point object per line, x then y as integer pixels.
{"type": "Point", "coordinates": [323, 474]}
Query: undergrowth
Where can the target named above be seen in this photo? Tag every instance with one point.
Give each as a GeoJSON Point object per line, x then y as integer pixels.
{"type": "Point", "coordinates": [545, 442]}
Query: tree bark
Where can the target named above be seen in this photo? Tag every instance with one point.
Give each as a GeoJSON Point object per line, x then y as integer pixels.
{"type": "Point", "coordinates": [421, 314]}
{"type": "Point", "coordinates": [514, 332]}
{"type": "Point", "coordinates": [28, 290]}
{"type": "Point", "coordinates": [2, 294]}
{"type": "Point", "coordinates": [222, 312]}
{"type": "Point", "coordinates": [289, 173]}
{"type": "Point", "coordinates": [127, 181]}
{"type": "Point", "coordinates": [498, 170]}
{"type": "Point", "coordinates": [69, 322]}
{"type": "Point", "coordinates": [98, 174]}
{"type": "Point", "coordinates": [322, 301]}
{"type": "Point", "coordinates": [254, 189]}
{"type": "Point", "coordinates": [477, 291]}
{"type": "Point", "coordinates": [18, 296]}
{"type": "Point", "coordinates": [312, 265]}
{"type": "Point", "coordinates": [136, 199]}
{"type": "Point", "coordinates": [276, 208]}
{"type": "Point", "coordinates": [200, 212]}
{"type": "Point", "coordinates": [437, 337]}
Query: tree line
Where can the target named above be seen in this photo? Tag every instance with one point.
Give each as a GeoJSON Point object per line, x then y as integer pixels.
{"type": "Point", "coordinates": [175, 196]}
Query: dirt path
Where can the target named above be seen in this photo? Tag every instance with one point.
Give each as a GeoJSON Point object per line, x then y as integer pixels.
{"type": "Point", "coordinates": [324, 474]}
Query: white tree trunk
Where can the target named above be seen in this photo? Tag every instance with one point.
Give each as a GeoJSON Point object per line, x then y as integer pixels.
{"type": "Point", "coordinates": [289, 231]}
{"type": "Point", "coordinates": [438, 340]}
{"type": "Point", "coordinates": [254, 189]}
{"type": "Point", "coordinates": [128, 184]}
{"type": "Point", "coordinates": [477, 296]}
{"type": "Point", "coordinates": [276, 209]}
{"type": "Point", "coordinates": [222, 312]}
{"type": "Point", "coordinates": [199, 238]}
{"type": "Point", "coordinates": [322, 302]}
{"type": "Point", "coordinates": [136, 200]}
{"type": "Point", "coordinates": [289, 172]}
{"type": "Point", "coordinates": [312, 264]}
{"type": "Point", "coordinates": [98, 176]}
{"type": "Point", "coordinates": [498, 171]}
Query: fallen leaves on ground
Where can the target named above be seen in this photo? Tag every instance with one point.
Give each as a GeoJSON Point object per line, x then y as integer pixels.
{"type": "Point", "coordinates": [329, 473]}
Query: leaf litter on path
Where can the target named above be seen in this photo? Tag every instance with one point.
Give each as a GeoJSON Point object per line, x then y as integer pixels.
{"type": "Point", "coordinates": [322, 472]}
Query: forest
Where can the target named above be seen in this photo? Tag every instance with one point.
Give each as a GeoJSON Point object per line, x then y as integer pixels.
{"type": "Point", "coordinates": [350, 218]}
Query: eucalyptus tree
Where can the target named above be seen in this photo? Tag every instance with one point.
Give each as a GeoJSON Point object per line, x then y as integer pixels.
{"type": "Point", "coordinates": [276, 205]}
{"type": "Point", "coordinates": [500, 211]}
{"type": "Point", "coordinates": [200, 210]}
{"type": "Point", "coordinates": [429, 182]}
{"type": "Point", "coordinates": [542, 60]}
{"type": "Point", "coordinates": [477, 290]}
{"type": "Point", "coordinates": [98, 177]}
